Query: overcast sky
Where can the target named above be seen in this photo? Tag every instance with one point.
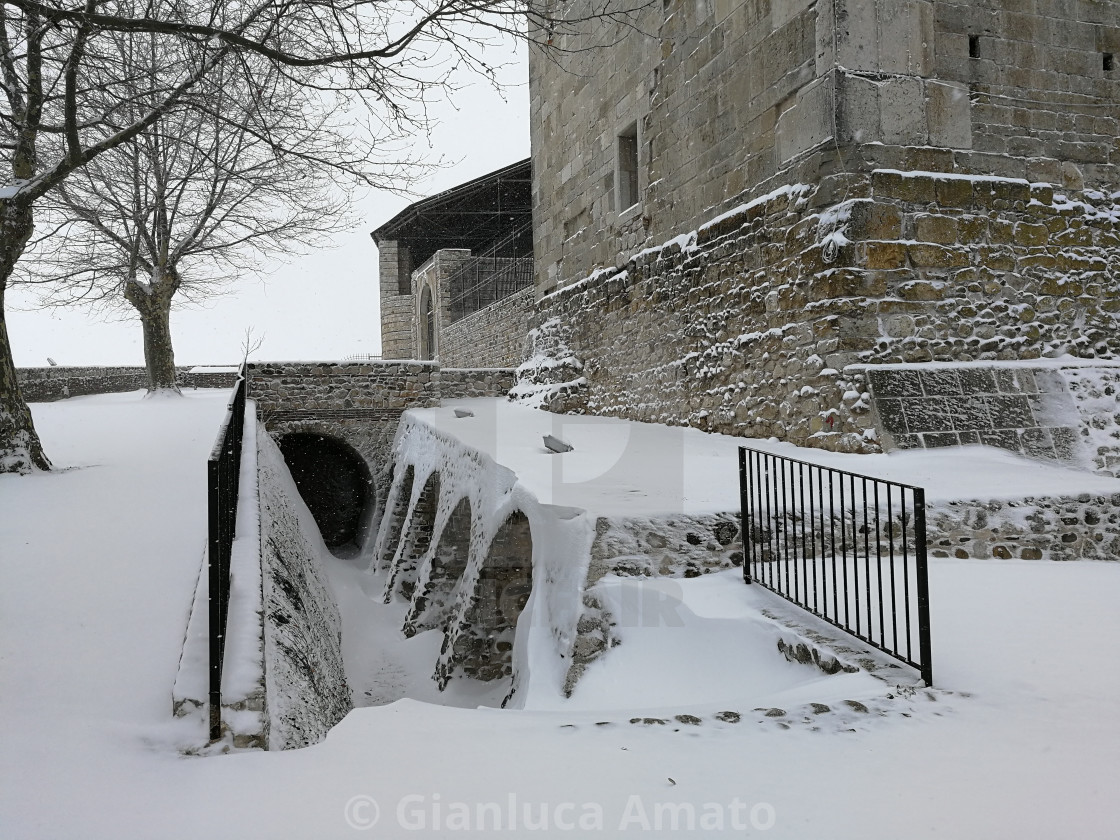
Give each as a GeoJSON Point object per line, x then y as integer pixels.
{"type": "Point", "coordinates": [319, 306]}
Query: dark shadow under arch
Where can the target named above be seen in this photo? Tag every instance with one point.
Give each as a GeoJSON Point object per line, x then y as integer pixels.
{"type": "Point", "coordinates": [335, 484]}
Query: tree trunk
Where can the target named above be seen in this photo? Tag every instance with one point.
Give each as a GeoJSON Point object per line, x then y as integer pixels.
{"type": "Point", "coordinates": [153, 303]}
{"type": "Point", "coordinates": [20, 449]}
{"type": "Point", "coordinates": [159, 356]}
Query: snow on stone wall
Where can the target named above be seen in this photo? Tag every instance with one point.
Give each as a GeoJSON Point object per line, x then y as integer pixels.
{"type": "Point", "coordinates": [746, 325]}
{"type": "Point", "coordinates": [58, 383]}
{"type": "Point", "coordinates": [307, 692]}
{"type": "Point", "coordinates": [477, 553]}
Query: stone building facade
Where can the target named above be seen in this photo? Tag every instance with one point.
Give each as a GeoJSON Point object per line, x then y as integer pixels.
{"type": "Point", "coordinates": [453, 269]}
{"type": "Point", "coordinates": [712, 103]}
{"type": "Point", "coordinates": [761, 201]}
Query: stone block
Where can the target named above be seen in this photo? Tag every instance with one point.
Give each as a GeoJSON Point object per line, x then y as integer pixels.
{"type": "Point", "coordinates": [885, 255]}
{"type": "Point", "coordinates": [948, 115]}
{"type": "Point", "coordinates": [894, 383]}
{"type": "Point", "coordinates": [937, 383]}
{"type": "Point", "coordinates": [934, 440]}
{"type": "Point", "coordinates": [1003, 438]}
{"type": "Point", "coordinates": [891, 416]}
{"type": "Point", "coordinates": [1010, 412]}
{"type": "Point", "coordinates": [928, 415]}
{"type": "Point", "coordinates": [940, 230]}
{"type": "Point", "coordinates": [902, 117]}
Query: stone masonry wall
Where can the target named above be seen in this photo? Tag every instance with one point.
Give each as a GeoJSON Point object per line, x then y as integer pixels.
{"type": "Point", "coordinates": [434, 275]}
{"type": "Point", "coordinates": [494, 336]}
{"type": "Point", "coordinates": [58, 383]}
{"type": "Point", "coordinates": [396, 308]}
{"type": "Point", "coordinates": [747, 326]}
{"type": "Point", "coordinates": [731, 99]}
{"type": "Point", "coordinates": [468, 383]}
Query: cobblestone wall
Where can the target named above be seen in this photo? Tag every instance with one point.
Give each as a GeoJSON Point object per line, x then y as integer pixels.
{"type": "Point", "coordinates": [492, 337]}
{"type": "Point", "coordinates": [58, 383]}
{"type": "Point", "coordinates": [747, 325]}
{"type": "Point", "coordinates": [1085, 527]}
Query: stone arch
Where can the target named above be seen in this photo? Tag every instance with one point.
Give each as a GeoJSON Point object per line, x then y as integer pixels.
{"type": "Point", "coordinates": [400, 494]}
{"type": "Point", "coordinates": [415, 542]}
{"type": "Point", "coordinates": [335, 483]}
{"type": "Point", "coordinates": [427, 324]}
{"type": "Point", "coordinates": [483, 644]}
{"type": "Point", "coordinates": [435, 592]}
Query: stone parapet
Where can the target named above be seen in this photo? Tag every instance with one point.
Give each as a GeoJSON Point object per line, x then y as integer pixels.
{"type": "Point", "coordinates": [58, 383]}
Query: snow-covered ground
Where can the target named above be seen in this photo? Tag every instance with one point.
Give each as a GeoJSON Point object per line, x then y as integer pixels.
{"type": "Point", "coordinates": [621, 467]}
{"type": "Point", "coordinates": [98, 564]}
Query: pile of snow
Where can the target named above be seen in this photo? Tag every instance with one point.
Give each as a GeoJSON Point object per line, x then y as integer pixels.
{"type": "Point", "coordinates": [99, 563]}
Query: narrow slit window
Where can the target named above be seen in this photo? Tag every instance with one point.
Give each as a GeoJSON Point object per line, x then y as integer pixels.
{"type": "Point", "coordinates": [404, 270]}
{"type": "Point", "coordinates": [973, 46]}
{"type": "Point", "coordinates": [1107, 62]}
{"type": "Point", "coordinates": [628, 167]}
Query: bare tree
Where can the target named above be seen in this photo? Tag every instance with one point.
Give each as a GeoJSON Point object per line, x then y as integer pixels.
{"type": "Point", "coordinates": [190, 205]}
{"type": "Point", "coordinates": [65, 89]}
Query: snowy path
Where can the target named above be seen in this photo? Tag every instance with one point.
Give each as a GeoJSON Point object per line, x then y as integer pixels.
{"type": "Point", "coordinates": [98, 564]}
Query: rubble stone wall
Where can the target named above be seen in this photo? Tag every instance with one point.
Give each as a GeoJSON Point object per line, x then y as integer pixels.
{"type": "Point", "coordinates": [752, 325]}
{"type": "Point", "coordinates": [58, 383]}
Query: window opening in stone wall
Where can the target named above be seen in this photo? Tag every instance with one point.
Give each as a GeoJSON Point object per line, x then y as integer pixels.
{"type": "Point", "coordinates": [628, 167]}
{"type": "Point", "coordinates": [973, 46]}
{"type": "Point", "coordinates": [404, 269]}
{"type": "Point", "coordinates": [1107, 62]}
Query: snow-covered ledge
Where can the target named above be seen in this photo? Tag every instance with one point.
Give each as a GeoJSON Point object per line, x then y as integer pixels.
{"type": "Point", "coordinates": [631, 498]}
{"type": "Point", "coordinates": [282, 682]}
{"type": "Point", "coordinates": [244, 712]}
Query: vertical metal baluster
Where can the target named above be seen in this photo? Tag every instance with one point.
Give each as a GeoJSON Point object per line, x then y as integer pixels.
{"type": "Point", "coordinates": [906, 575]}
{"type": "Point", "coordinates": [879, 563]}
{"type": "Point", "coordinates": [832, 537]}
{"type": "Point", "coordinates": [804, 577]}
{"type": "Point", "coordinates": [894, 584]}
{"type": "Point", "coordinates": [867, 561]}
{"type": "Point", "coordinates": [923, 584]}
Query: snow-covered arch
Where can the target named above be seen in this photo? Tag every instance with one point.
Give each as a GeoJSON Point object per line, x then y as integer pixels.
{"type": "Point", "coordinates": [335, 483]}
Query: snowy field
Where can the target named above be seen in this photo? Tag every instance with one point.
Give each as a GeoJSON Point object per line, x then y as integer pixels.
{"type": "Point", "coordinates": [98, 563]}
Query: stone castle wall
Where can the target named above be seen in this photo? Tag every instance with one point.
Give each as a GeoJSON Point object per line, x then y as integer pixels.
{"type": "Point", "coordinates": [494, 336]}
{"type": "Point", "coordinates": [747, 326]}
{"type": "Point", "coordinates": [396, 308]}
{"type": "Point", "coordinates": [733, 99]}
{"type": "Point", "coordinates": [58, 383]}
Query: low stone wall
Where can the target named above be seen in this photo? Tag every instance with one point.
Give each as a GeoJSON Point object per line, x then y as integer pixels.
{"type": "Point", "coordinates": [358, 403]}
{"type": "Point", "coordinates": [467, 383]}
{"type": "Point", "coordinates": [492, 337]}
{"type": "Point", "coordinates": [1084, 527]}
{"type": "Point", "coordinates": [746, 326]}
{"type": "Point", "coordinates": [58, 383]}
{"type": "Point", "coordinates": [306, 688]}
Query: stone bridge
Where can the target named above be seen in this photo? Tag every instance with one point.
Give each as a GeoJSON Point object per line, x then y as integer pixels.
{"type": "Point", "coordinates": [335, 423]}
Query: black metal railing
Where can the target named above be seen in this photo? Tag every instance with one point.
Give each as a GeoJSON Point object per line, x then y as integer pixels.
{"type": "Point", "coordinates": [223, 471]}
{"type": "Point", "coordinates": [501, 270]}
{"type": "Point", "coordinates": [849, 548]}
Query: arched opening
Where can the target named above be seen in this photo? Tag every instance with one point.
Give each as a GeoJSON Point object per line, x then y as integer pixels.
{"type": "Point", "coordinates": [428, 347]}
{"type": "Point", "coordinates": [485, 649]}
{"type": "Point", "coordinates": [431, 606]}
{"type": "Point", "coordinates": [393, 522]}
{"type": "Point", "coordinates": [417, 538]}
{"type": "Point", "coordinates": [335, 484]}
